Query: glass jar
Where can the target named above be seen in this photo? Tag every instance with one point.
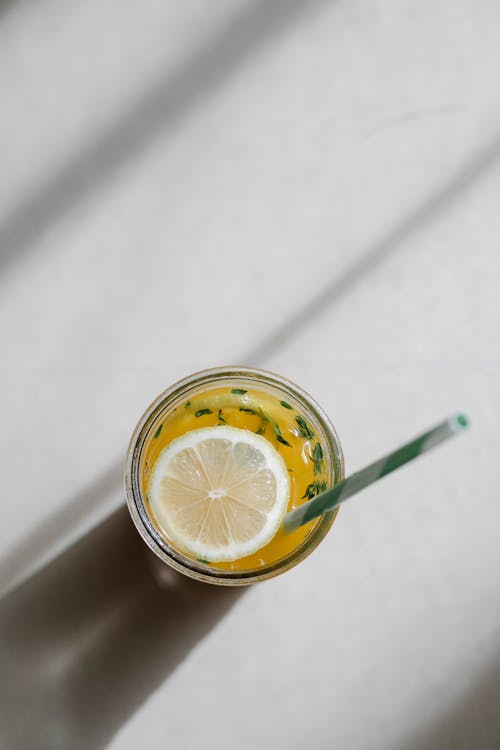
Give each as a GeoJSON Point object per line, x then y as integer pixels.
{"type": "Point", "coordinates": [199, 384]}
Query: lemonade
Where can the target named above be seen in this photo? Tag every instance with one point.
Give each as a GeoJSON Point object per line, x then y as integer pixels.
{"type": "Point", "coordinates": [262, 405]}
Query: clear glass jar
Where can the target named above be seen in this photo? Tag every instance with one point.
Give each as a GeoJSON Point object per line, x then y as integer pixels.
{"type": "Point", "coordinates": [195, 385]}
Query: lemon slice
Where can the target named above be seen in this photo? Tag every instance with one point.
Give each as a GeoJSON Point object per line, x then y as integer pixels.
{"type": "Point", "coordinates": [219, 492]}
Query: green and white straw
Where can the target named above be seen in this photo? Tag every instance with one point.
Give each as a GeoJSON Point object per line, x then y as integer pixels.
{"type": "Point", "coordinates": [340, 492]}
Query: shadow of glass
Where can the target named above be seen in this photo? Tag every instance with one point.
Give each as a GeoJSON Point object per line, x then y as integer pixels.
{"type": "Point", "coordinates": [58, 529]}
{"type": "Point", "coordinates": [85, 640]}
{"type": "Point", "coordinates": [472, 723]}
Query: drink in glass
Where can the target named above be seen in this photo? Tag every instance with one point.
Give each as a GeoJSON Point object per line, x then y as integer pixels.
{"type": "Point", "coordinates": [265, 405]}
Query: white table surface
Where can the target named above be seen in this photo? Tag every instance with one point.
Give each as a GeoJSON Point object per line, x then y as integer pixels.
{"type": "Point", "coordinates": [309, 187]}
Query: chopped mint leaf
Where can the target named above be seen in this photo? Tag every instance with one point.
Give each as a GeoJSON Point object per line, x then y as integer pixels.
{"type": "Point", "coordinates": [310, 492]}
{"type": "Point", "coordinates": [188, 403]}
{"type": "Point", "coordinates": [284, 403]}
{"type": "Point", "coordinates": [201, 412]}
{"type": "Point", "coordinates": [282, 440]}
{"type": "Point", "coordinates": [238, 391]}
{"type": "Point", "coordinates": [318, 452]}
{"type": "Point", "coordinates": [304, 428]}
{"type": "Point", "coordinates": [313, 489]}
{"type": "Point", "coordinates": [220, 417]}
{"type": "Point", "coordinates": [247, 411]}
{"type": "Point", "coordinates": [260, 431]}
{"type": "Point", "coordinates": [317, 459]}
{"type": "Point", "coordinates": [157, 433]}
{"type": "Point", "coordinates": [279, 436]}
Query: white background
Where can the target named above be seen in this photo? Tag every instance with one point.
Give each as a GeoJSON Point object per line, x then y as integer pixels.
{"type": "Point", "coordinates": [309, 187]}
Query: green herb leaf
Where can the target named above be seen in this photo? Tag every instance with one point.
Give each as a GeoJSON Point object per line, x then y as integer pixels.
{"type": "Point", "coordinates": [201, 412]}
{"type": "Point", "coordinates": [247, 411]}
{"type": "Point", "coordinates": [279, 436]}
{"type": "Point", "coordinates": [304, 428]}
{"type": "Point", "coordinates": [284, 403]}
{"type": "Point", "coordinates": [157, 433]}
{"type": "Point", "coordinates": [310, 491]}
{"type": "Point", "coordinates": [220, 417]}
{"type": "Point", "coordinates": [238, 391]}
{"type": "Point", "coordinates": [313, 489]}
{"type": "Point", "coordinates": [260, 431]}
{"type": "Point", "coordinates": [317, 458]}
{"type": "Point", "coordinates": [187, 404]}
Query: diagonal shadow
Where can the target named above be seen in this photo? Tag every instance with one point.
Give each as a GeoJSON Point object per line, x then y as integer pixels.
{"type": "Point", "coordinates": [88, 638]}
{"type": "Point", "coordinates": [163, 106]}
{"type": "Point", "coordinates": [445, 197]}
{"type": "Point", "coordinates": [5, 5]}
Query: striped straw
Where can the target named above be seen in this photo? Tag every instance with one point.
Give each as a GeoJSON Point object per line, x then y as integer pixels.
{"type": "Point", "coordinates": [370, 474]}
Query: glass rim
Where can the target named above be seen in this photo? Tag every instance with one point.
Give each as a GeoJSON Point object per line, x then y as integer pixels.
{"type": "Point", "coordinates": [168, 553]}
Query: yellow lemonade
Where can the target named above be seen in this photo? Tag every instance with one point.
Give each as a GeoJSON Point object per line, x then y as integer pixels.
{"type": "Point", "coordinates": [288, 430]}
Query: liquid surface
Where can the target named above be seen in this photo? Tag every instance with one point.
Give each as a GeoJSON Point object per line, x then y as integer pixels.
{"type": "Point", "coordinates": [293, 436]}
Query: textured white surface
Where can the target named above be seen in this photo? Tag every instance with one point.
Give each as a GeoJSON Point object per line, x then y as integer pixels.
{"type": "Point", "coordinates": [307, 187]}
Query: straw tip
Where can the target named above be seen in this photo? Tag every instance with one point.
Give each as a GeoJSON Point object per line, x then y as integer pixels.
{"type": "Point", "coordinates": [459, 422]}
